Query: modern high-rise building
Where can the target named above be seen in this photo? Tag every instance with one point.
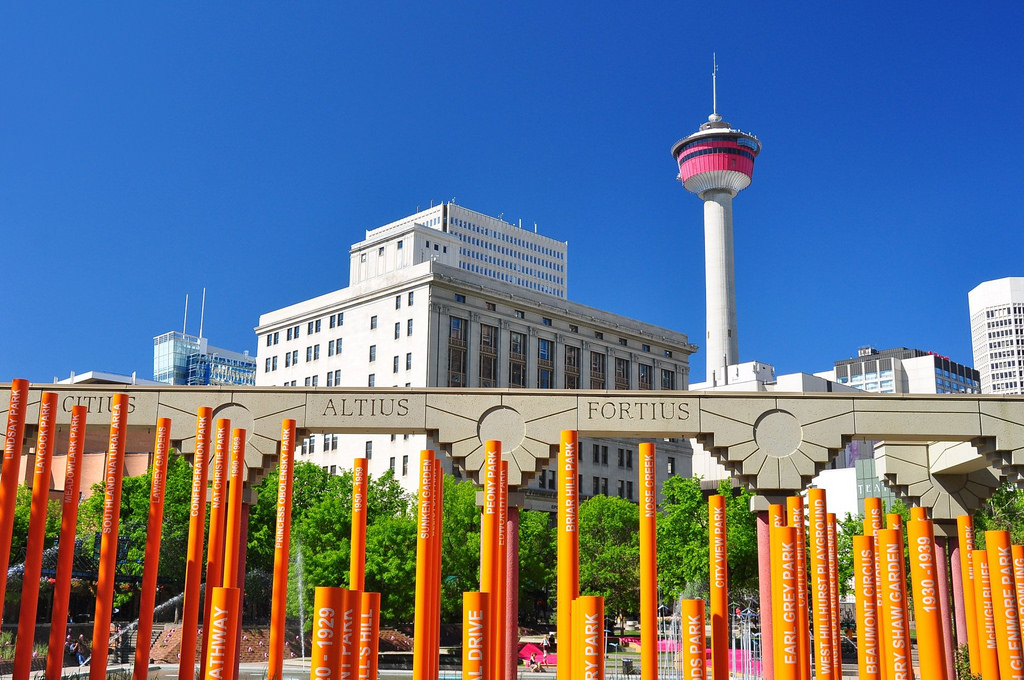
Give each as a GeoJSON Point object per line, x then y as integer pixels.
{"type": "Point", "coordinates": [182, 359]}
{"type": "Point", "coordinates": [449, 297]}
{"type": "Point", "coordinates": [905, 371]}
{"type": "Point", "coordinates": [716, 163]}
{"type": "Point", "coordinates": [997, 334]}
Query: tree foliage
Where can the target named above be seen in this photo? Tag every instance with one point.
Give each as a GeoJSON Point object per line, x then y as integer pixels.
{"type": "Point", "coordinates": [610, 552]}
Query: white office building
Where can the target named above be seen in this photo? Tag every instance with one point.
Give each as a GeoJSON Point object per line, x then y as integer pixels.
{"type": "Point", "coordinates": [906, 371]}
{"type": "Point", "coordinates": [997, 334]}
{"type": "Point", "coordinates": [452, 298]}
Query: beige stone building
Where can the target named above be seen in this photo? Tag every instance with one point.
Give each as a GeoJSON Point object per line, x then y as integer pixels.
{"type": "Point", "coordinates": [452, 298]}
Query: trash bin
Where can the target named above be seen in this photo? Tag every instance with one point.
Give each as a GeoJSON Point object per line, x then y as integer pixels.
{"type": "Point", "coordinates": [627, 667]}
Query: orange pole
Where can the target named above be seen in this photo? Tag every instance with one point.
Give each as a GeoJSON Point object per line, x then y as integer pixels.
{"type": "Point", "coordinates": [795, 519]}
{"type": "Point", "coordinates": [568, 546]}
{"type": "Point", "coordinates": [694, 641]}
{"type": "Point", "coordinates": [36, 535]}
{"type": "Point", "coordinates": [1018, 579]}
{"type": "Point", "coordinates": [873, 521]}
{"type": "Point", "coordinates": [1004, 604]}
{"type": "Point", "coordinates": [987, 644]}
{"type": "Point", "coordinates": [776, 520]}
{"type": "Point", "coordinates": [576, 644]}
{"type": "Point", "coordinates": [435, 581]}
{"type": "Point", "coordinates": [9, 471]}
{"type": "Point", "coordinates": [369, 636]}
{"type": "Point", "coordinates": [787, 663]}
{"type": "Point", "coordinates": [194, 555]}
{"type": "Point", "coordinates": [868, 661]}
{"type": "Point", "coordinates": [233, 525]}
{"type": "Point", "coordinates": [357, 558]}
{"type": "Point", "coordinates": [350, 615]}
{"type": "Point", "coordinates": [924, 579]}
{"type": "Point", "coordinates": [113, 473]}
{"type": "Point", "coordinates": [894, 520]}
{"type": "Point", "coordinates": [818, 547]}
{"type": "Point", "coordinates": [498, 603]}
{"type": "Point", "coordinates": [282, 542]}
{"type": "Point", "coordinates": [591, 626]}
{"type": "Point", "coordinates": [154, 531]}
{"type": "Point", "coordinates": [719, 576]}
{"type": "Point", "coordinates": [918, 513]}
{"type": "Point", "coordinates": [890, 548]}
{"type": "Point", "coordinates": [66, 549]}
{"type": "Point", "coordinates": [965, 533]}
{"type": "Point", "coordinates": [424, 563]}
{"type": "Point", "coordinates": [833, 589]}
{"type": "Point", "coordinates": [648, 560]}
{"type": "Point", "coordinates": [325, 650]}
{"type": "Point", "coordinates": [224, 620]}
{"type": "Point", "coordinates": [215, 544]}
{"type": "Point", "coordinates": [475, 619]}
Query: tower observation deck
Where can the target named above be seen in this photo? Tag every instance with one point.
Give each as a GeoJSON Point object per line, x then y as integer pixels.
{"type": "Point", "coordinates": [716, 163]}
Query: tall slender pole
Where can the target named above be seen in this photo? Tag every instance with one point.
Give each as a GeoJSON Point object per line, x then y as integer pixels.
{"type": "Point", "coordinates": [648, 561]}
{"type": "Point", "coordinates": [36, 535]}
{"type": "Point", "coordinates": [833, 589]}
{"type": "Point", "coordinates": [9, 472]}
{"type": "Point", "coordinates": [325, 645]}
{"type": "Point", "coordinates": [113, 473]}
{"type": "Point", "coordinates": [694, 640]}
{"type": "Point", "coordinates": [868, 658]}
{"type": "Point", "coordinates": [795, 517]}
{"type": "Point", "coordinates": [357, 557]}
{"type": "Point", "coordinates": [282, 543]}
{"type": "Point", "coordinates": [568, 547]}
{"type": "Point", "coordinates": [890, 547]}
{"type": "Point", "coordinates": [194, 553]}
{"type": "Point", "coordinates": [475, 619]}
{"type": "Point", "coordinates": [424, 568]}
{"type": "Point", "coordinates": [987, 644]}
{"type": "Point", "coordinates": [215, 544]}
{"type": "Point", "coordinates": [233, 533]}
{"type": "Point", "coordinates": [224, 616]}
{"type": "Point", "coordinates": [818, 547]}
{"type": "Point", "coordinates": [500, 566]}
{"type": "Point", "coordinates": [787, 663]}
{"type": "Point", "coordinates": [369, 636]}
{"type": "Point", "coordinates": [965, 534]}
{"type": "Point", "coordinates": [435, 580]}
{"type": "Point", "coordinates": [349, 628]}
{"type": "Point", "coordinates": [924, 576]}
{"type": "Point", "coordinates": [66, 550]}
{"type": "Point", "coordinates": [154, 531]}
{"type": "Point", "coordinates": [719, 589]}
{"type": "Point", "coordinates": [1004, 603]}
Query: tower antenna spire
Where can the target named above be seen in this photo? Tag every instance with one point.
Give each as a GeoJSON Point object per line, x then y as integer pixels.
{"type": "Point", "coordinates": [714, 84]}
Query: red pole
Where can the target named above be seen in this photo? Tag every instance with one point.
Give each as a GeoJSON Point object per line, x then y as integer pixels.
{"type": "Point", "coordinates": [282, 541]}
{"type": "Point", "coordinates": [113, 475]}
{"type": "Point", "coordinates": [36, 536]}
{"type": "Point", "coordinates": [9, 472]}
{"type": "Point", "coordinates": [194, 555]}
{"type": "Point", "coordinates": [66, 551]}
{"type": "Point", "coordinates": [154, 530]}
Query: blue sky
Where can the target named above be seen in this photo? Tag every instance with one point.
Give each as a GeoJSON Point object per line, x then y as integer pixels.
{"type": "Point", "coordinates": [149, 150]}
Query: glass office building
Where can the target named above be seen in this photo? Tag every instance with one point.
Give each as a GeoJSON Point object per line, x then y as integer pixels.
{"type": "Point", "coordinates": [181, 359]}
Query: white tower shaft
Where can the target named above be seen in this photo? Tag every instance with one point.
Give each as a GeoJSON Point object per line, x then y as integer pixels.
{"type": "Point", "coordinates": [722, 343]}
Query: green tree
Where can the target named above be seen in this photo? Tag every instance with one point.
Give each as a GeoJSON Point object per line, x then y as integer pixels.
{"type": "Point", "coordinates": [460, 541]}
{"type": "Point", "coordinates": [391, 567]}
{"type": "Point", "coordinates": [846, 529]}
{"type": "Point", "coordinates": [741, 538]}
{"type": "Point", "coordinates": [683, 557]}
{"type": "Point", "coordinates": [537, 564]}
{"type": "Point", "coordinates": [1004, 511]}
{"type": "Point", "coordinates": [610, 552]}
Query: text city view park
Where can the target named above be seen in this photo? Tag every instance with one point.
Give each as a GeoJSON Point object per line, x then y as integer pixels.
{"type": "Point", "coordinates": [945, 455]}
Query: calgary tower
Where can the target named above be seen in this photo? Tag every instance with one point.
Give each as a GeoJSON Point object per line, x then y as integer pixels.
{"type": "Point", "coordinates": [716, 163]}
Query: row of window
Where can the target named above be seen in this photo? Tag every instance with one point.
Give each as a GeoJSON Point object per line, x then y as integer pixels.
{"type": "Point", "coordinates": [502, 236]}
{"type": "Point", "coordinates": [509, 278]}
{"type": "Point", "coordinates": [333, 321]}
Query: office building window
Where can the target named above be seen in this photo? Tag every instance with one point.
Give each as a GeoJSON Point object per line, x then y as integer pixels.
{"type": "Point", "coordinates": [517, 360]}
{"type": "Point", "coordinates": [316, 379]}
{"type": "Point", "coordinates": [621, 373]}
{"type": "Point", "coordinates": [621, 490]}
{"type": "Point", "coordinates": [597, 370]}
{"type": "Point", "coordinates": [488, 356]}
{"type": "Point", "coordinates": [287, 359]}
{"type": "Point", "coordinates": [410, 299]}
{"type": "Point", "coordinates": [373, 352]}
{"type": "Point", "coordinates": [604, 486]}
{"type": "Point", "coordinates": [629, 459]}
{"type": "Point", "coordinates": [369, 450]}
{"type": "Point", "coordinates": [671, 465]}
{"type": "Point", "coordinates": [572, 367]}
{"type": "Point", "coordinates": [408, 361]}
{"type": "Point", "coordinates": [398, 302]}
{"type": "Point", "coordinates": [597, 486]}
{"type": "Point", "coordinates": [391, 463]}
{"type": "Point", "coordinates": [273, 363]}
{"type": "Point", "coordinates": [373, 322]}
{"type": "Point", "coordinates": [395, 364]}
{"type": "Point", "coordinates": [668, 379]}
{"type": "Point", "coordinates": [546, 321]}
{"type": "Point", "coordinates": [266, 368]}
{"type": "Point", "coordinates": [622, 458]}
{"type": "Point", "coordinates": [629, 490]}
{"type": "Point", "coordinates": [307, 382]}
{"type": "Point", "coordinates": [646, 373]}
{"type": "Point", "coordinates": [597, 454]}
{"type": "Point", "coordinates": [371, 380]}
{"type": "Point", "coordinates": [405, 465]}
{"type": "Point", "coordinates": [398, 330]}
{"type": "Point", "coordinates": [519, 314]}
{"type": "Point", "coordinates": [456, 352]}
{"type": "Point", "coordinates": [408, 327]}
{"type": "Point", "coordinates": [545, 364]}
{"type": "Point", "coordinates": [491, 307]}
{"type": "Point", "coordinates": [460, 298]}
{"type": "Point", "coordinates": [330, 348]}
